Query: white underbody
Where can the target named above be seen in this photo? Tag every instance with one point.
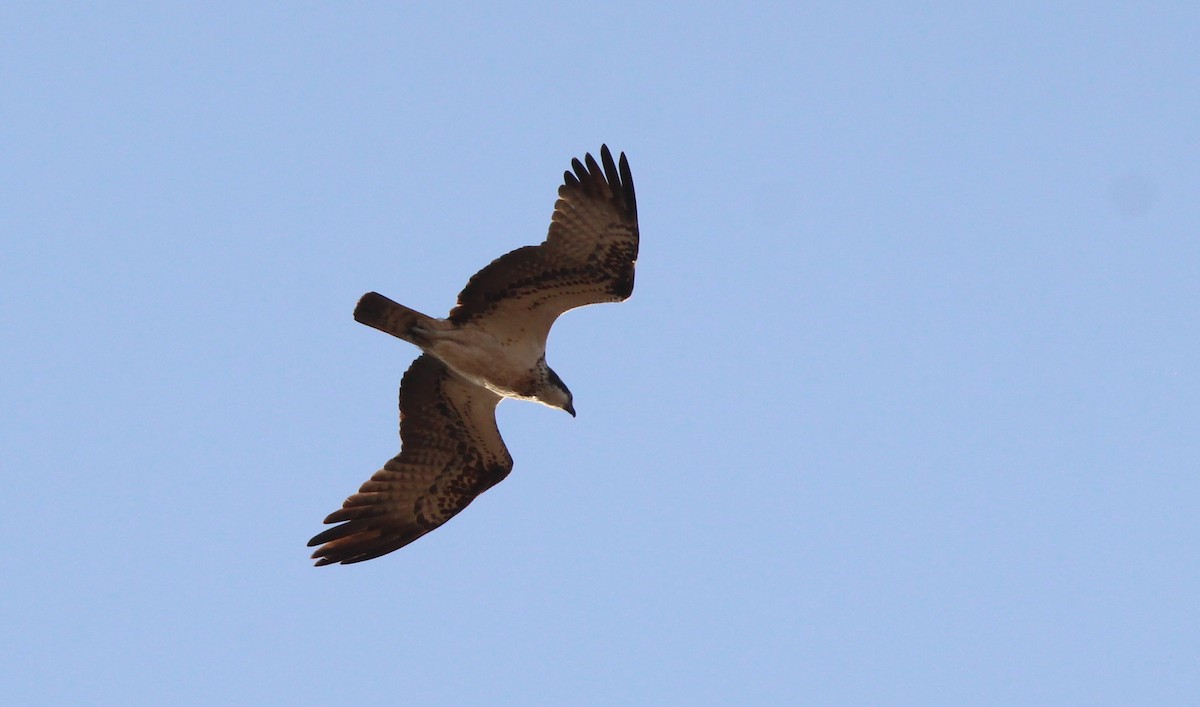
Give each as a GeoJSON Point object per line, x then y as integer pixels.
{"type": "Point", "coordinates": [506, 368]}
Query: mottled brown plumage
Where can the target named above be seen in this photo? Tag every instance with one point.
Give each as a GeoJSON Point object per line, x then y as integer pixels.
{"type": "Point", "coordinates": [587, 258]}
{"type": "Point", "coordinates": [490, 347]}
{"type": "Point", "coordinates": [450, 452]}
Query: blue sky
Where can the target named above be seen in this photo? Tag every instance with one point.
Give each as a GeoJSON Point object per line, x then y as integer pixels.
{"type": "Point", "coordinates": [903, 410]}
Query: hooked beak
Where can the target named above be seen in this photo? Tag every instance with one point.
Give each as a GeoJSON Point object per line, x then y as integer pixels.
{"type": "Point", "coordinates": [570, 408]}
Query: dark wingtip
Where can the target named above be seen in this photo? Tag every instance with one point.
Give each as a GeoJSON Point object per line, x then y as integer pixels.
{"type": "Point", "coordinates": [619, 178]}
{"type": "Point", "coordinates": [593, 168]}
{"type": "Point", "coordinates": [610, 167]}
{"type": "Point", "coordinates": [627, 185]}
{"type": "Point", "coordinates": [581, 173]}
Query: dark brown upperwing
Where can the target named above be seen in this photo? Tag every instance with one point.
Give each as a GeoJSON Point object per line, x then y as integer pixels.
{"type": "Point", "coordinates": [587, 258]}
{"type": "Point", "coordinates": [450, 452]}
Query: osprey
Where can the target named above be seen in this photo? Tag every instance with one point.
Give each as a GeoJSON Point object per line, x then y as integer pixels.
{"type": "Point", "coordinates": [492, 346]}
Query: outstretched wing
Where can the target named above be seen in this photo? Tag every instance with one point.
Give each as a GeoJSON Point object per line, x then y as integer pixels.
{"type": "Point", "coordinates": [450, 452]}
{"type": "Point", "coordinates": [587, 258]}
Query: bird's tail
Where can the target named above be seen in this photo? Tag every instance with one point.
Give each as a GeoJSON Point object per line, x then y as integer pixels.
{"type": "Point", "coordinates": [390, 317]}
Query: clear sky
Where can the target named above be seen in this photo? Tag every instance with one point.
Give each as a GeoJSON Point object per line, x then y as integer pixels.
{"type": "Point", "coordinates": [905, 408]}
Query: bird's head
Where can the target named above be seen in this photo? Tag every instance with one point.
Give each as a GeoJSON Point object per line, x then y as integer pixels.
{"type": "Point", "coordinates": [554, 393]}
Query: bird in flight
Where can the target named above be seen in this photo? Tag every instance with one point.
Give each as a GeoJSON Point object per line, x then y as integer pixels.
{"type": "Point", "coordinates": [492, 346]}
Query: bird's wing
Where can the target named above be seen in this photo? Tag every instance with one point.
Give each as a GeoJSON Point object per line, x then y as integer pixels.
{"type": "Point", "coordinates": [588, 257]}
{"type": "Point", "coordinates": [450, 452]}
